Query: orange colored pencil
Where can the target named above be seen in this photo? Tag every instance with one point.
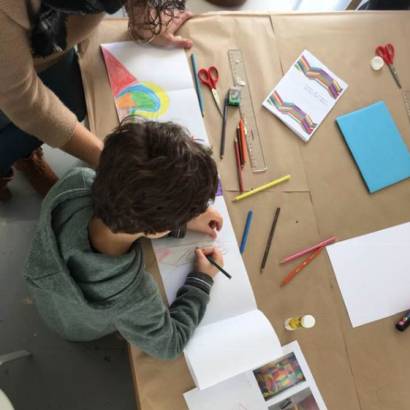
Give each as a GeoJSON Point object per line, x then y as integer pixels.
{"type": "Point", "coordinates": [301, 266]}
{"type": "Point", "coordinates": [238, 166]}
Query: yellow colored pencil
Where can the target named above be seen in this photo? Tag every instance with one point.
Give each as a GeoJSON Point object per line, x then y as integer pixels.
{"type": "Point", "coordinates": [261, 188]}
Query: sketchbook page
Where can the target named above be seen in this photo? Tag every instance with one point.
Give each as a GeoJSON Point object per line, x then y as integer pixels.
{"type": "Point", "coordinates": [238, 393]}
{"type": "Point", "coordinates": [229, 347]}
{"type": "Point", "coordinates": [305, 95]}
{"type": "Point", "coordinates": [175, 258]}
{"type": "Point", "coordinates": [285, 384]}
{"type": "Point", "coordinates": [373, 273]}
{"type": "Point", "coordinates": [154, 83]}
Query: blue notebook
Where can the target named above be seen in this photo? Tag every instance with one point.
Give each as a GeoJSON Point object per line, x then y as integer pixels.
{"type": "Point", "coordinates": [376, 145]}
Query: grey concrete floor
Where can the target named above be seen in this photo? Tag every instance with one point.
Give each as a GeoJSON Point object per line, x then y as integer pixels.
{"type": "Point", "coordinates": [60, 375]}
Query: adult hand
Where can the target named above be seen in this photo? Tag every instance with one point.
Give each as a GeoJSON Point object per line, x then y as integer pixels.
{"type": "Point", "coordinates": [170, 25]}
{"type": "Point", "coordinates": [209, 222]}
{"type": "Point", "coordinates": [203, 265]}
{"type": "Point", "coordinates": [84, 145]}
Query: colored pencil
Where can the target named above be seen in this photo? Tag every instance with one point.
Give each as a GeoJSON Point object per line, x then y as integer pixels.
{"type": "Point", "coordinates": [197, 85]}
{"type": "Point", "coordinates": [212, 262]}
{"type": "Point", "coordinates": [307, 250]}
{"type": "Point", "coordinates": [238, 166]}
{"type": "Point", "coordinates": [301, 266]}
{"type": "Point", "coordinates": [246, 231]}
{"type": "Point", "coordinates": [225, 113]}
{"type": "Point", "coordinates": [243, 140]}
{"type": "Point", "coordinates": [261, 188]}
{"type": "Point", "coordinates": [269, 242]}
{"type": "Point", "coordinates": [239, 139]}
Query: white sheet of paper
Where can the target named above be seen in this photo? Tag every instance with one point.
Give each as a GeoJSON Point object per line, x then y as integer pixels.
{"type": "Point", "coordinates": [373, 273]}
{"type": "Point", "coordinates": [169, 69]}
{"type": "Point", "coordinates": [230, 347]}
{"type": "Point", "coordinates": [229, 297]}
{"type": "Point", "coordinates": [305, 93]}
{"type": "Point", "coordinates": [242, 392]}
{"type": "Point", "coordinates": [238, 393]}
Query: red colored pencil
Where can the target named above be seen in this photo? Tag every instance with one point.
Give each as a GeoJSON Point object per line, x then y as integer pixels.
{"type": "Point", "coordinates": [308, 250]}
{"type": "Point", "coordinates": [243, 139]}
{"type": "Point", "coordinates": [239, 141]}
{"type": "Point", "coordinates": [238, 166]}
{"type": "Point", "coordinates": [301, 266]}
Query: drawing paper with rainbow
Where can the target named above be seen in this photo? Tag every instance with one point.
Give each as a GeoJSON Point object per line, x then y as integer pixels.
{"type": "Point", "coordinates": [153, 83]}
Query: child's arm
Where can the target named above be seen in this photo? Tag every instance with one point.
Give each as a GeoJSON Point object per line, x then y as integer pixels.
{"type": "Point", "coordinates": [164, 332]}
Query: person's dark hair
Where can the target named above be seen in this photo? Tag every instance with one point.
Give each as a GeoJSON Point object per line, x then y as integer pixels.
{"type": "Point", "coordinates": [152, 177]}
{"type": "Point", "coordinates": [157, 14]}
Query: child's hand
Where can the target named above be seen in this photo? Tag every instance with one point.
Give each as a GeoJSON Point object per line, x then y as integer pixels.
{"type": "Point", "coordinates": [209, 222]}
{"type": "Point", "coordinates": [203, 265]}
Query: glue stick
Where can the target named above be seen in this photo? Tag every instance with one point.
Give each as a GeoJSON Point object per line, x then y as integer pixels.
{"type": "Point", "coordinates": [297, 322]}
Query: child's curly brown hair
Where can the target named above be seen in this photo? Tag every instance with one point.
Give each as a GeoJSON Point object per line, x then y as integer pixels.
{"type": "Point", "coordinates": [152, 177]}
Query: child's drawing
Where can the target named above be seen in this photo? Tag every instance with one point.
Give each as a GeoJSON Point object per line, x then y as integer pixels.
{"type": "Point", "coordinates": [155, 84]}
{"type": "Point", "coordinates": [134, 97]}
{"type": "Point", "coordinates": [183, 255]}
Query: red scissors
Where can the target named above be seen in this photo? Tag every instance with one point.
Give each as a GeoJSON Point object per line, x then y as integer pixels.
{"type": "Point", "coordinates": [209, 77]}
{"type": "Point", "coordinates": [387, 54]}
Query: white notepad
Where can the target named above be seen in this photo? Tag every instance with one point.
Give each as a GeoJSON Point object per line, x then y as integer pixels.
{"type": "Point", "coordinates": [373, 273]}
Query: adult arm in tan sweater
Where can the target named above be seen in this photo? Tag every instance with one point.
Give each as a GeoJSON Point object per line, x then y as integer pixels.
{"type": "Point", "coordinates": [32, 106]}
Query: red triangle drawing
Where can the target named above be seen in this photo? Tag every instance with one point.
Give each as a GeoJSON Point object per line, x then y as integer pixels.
{"type": "Point", "coordinates": [119, 76]}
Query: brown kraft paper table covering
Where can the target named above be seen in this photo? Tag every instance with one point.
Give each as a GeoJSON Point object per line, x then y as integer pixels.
{"type": "Point", "coordinates": [363, 368]}
{"type": "Point", "coordinates": [378, 355]}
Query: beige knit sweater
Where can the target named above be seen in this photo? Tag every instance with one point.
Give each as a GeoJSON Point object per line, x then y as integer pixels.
{"type": "Point", "coordinates": [24, 99]}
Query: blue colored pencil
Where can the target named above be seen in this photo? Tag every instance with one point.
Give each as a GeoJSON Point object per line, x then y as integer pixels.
{"type": "Point", "coordinates": [197, 85]}
{"type": "Point", "coordinates": [246, 231]}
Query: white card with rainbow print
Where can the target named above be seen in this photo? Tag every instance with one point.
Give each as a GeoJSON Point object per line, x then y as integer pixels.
{"type": "Point", "coordinates": [153, 83]}
{"type": "Point", "coordinates": [305, 95]}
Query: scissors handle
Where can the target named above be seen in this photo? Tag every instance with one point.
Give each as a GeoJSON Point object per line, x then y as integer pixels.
{"type": "Point", "coordinates": [209, 76]}
{"type": "Point", "coordinates": [386, 53]}
{"type": "Point", "coordinates": [214, 74]}
{"type": "Point", "coordinates": [203, 76]}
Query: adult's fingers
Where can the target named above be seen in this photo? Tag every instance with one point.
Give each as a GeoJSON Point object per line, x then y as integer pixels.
{"type": "Point", "coordinates": [179, 42]}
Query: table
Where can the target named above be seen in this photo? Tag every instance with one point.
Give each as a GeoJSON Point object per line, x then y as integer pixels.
{"type": "Point", "coordinates": [364, 368]}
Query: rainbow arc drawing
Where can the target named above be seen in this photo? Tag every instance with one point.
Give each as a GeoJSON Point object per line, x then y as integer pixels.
{"type": "Point", "coordinates": [320, 76]}
{"type": "Point", "coordinates": [293, 111]}
{"type": "Point", "coordinates": [134, 97]}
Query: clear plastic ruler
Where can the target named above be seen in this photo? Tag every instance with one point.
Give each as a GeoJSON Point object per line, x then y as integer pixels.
{"type": "Point", "coordinates": [406, 98]}
{"type": "Point", "coordinates": [240, 79]}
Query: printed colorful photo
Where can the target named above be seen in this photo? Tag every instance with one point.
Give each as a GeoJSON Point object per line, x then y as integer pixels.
{"type": "Point", "coordinates": [303, 400]}
{"type": "Point", "coordinates": [278, 376]}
